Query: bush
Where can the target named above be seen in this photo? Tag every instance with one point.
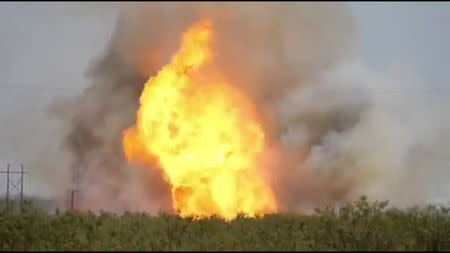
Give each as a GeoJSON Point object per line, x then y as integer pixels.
{"type": "Point", "coordinates": [357, 226]}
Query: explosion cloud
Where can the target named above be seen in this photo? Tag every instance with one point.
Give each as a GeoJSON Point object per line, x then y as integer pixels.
{"type": "Point", "coordinates": [327, 137]}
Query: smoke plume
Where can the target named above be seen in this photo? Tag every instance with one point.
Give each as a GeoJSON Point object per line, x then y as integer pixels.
{"type": "Point", "coordinates": [333, 137]}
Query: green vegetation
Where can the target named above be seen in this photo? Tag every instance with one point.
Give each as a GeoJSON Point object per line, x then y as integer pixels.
{"type": "Point", "coordinates": [358, 226]}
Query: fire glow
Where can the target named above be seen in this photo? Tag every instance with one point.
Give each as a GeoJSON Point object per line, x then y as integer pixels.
{"type": "Point", "coordinates": [203, 134]}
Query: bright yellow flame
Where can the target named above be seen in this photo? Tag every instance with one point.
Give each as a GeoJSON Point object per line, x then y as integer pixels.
{"type": "Point", "coordinates": [203, 134]}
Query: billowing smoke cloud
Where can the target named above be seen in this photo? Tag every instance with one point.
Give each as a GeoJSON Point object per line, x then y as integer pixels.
{"type": "Point", "coordinates": [333, 137]}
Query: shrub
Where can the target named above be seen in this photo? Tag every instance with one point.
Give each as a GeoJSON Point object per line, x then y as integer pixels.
{"type": "Point", "coordinates": [357, 226]}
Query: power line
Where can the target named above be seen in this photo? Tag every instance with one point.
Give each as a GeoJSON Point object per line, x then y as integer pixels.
{"type": "Point", "coordinates": [43, 87]}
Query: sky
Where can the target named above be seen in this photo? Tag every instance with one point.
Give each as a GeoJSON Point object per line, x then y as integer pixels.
{"type": "Point", "coordinates": [45, 49]}
{"type": "Point", "coordinates": [414, 34]}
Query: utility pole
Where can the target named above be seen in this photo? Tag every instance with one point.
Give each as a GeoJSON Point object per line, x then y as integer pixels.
{"type": "Point", "coordinates": [10, 182]}
{"type": "Point", "coordinates": [72, 196]}
{"type": "Point", "coordinates": [74, 190]}
{"type": "Point", "coordinates": [21, 187]}
{"type": "Point", "coordinates": [71, 199]}
{"type": "Point", "coordinates": [7, 188]}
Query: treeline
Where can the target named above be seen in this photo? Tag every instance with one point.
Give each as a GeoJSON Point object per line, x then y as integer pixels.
{"type": "Point", "coordinates": [358, 226]}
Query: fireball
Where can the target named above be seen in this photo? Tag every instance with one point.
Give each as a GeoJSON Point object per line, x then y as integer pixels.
{"type": "Point", "coordinates": [203, 133]}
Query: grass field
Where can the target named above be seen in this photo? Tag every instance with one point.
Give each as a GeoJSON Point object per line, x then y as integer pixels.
{"type": "Point", "coordinates": [359, 226]}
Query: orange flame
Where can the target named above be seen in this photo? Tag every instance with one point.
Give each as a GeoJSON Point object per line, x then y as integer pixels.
{"type": "Point", "coordinates": [204, 135]}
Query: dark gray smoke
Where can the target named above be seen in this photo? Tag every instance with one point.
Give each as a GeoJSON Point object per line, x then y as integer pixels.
{"type": "Point", "coordinates": [94, 122]}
